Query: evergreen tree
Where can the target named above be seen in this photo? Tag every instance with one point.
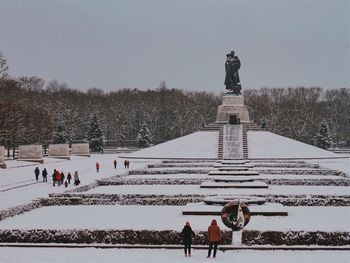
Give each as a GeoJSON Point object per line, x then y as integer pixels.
{"type": "Point", "coordinates": [60, 135]}
{"type": "Point", "coordinates": [144, 137]}
{"type": "Point", "coordinates": [323, 139]}
{"type": "Point", "coordinates": [95, 134]}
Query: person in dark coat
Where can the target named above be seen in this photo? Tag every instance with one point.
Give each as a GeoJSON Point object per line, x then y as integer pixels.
{"type": "Point", "coordinates": [187, 235]}
{"type": "Point", "coordinates": [115, 164]}
{"type": "Point", "coordinates": [69, 177]}
{"type": "Point", "coordinates": [76, 178]}
{"type": "Point", "coordinates": [37, 172]}
{"type": "Point", "coordinates": [54, 177]}
{"type": "Point", "coordinates": [44, 174]}
{"type": "Point", "coordinates": [62, 178]}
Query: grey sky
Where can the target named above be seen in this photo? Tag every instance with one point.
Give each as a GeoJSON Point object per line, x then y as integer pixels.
{"type": "Point", "coordinates": [127, 44]}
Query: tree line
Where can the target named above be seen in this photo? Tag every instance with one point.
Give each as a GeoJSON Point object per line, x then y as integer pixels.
{"type": "Point", "coordinates": [32, 111]}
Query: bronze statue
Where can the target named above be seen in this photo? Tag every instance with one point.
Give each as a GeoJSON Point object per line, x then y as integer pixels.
{"type": "Point", "coordinates": [232, 66]}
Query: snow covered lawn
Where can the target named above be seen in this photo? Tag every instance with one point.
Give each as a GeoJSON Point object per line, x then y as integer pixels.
{"type": "Point", "coordinates": [93, 255]}
{"type": "Point", "coordinates": [171, 218]}
{"type": "Point", "coordinates": [195, 189]}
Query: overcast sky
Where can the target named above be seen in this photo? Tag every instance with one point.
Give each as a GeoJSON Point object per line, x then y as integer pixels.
{"type": "Point", "coordinates": [127, 44]}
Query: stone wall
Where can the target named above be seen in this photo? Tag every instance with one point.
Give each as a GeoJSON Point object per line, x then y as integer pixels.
{"type": "Point", "coordinates": [80, 149]}
{"type": "Point", "coordinates": [30, 152]}
{"type": "Point", "coordinates": [59, 150]}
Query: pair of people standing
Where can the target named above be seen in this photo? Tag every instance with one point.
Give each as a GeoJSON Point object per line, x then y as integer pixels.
{"type": "Point", "coordinates": [213, 238]}
{"type": "Point", "coordinates": [43, 173]}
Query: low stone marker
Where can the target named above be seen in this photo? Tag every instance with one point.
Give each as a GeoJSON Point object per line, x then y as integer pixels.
{"type": "Point", "coordinates": [59, 151]}
{"type": "Point", "coordinates": [80, 149]}
{"type": "Point", "coordinates": [30, 153]}
{"type": "Point", "coordinates": [2, 157]}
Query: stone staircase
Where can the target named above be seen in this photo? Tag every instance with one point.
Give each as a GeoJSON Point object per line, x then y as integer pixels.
{"type": "Point", "coordinates": [217, 126]}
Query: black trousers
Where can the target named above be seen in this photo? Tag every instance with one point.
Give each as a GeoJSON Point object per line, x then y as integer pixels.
{"type": "Point", "coordinates": [187, 248]}
{"type": "Point", "coordinates": [211, 245]}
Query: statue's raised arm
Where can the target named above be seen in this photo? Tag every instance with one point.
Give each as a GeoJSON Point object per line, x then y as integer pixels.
{"type": "Point", "coordinates": [232, 65]}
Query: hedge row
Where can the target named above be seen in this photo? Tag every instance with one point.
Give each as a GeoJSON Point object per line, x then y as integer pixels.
{"type": "Point", "coordinates": [88, 236]}
{"type": "Point", "coordinates": [293, 238]}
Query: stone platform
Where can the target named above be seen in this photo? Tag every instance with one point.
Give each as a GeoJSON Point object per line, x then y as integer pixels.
{"type": "Point", "coordinates": [232, 162]}
{"type": "Point", "coordinates": [249, 185]}
{"type": "Point", "coordinates": [229, 179]}
{"type": "Point", "coordinates": [267, 209]}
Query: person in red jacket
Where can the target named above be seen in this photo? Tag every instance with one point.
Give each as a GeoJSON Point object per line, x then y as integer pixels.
{"type": "Point", "coordinates": [97, 167]}
{"type": "Point", "coordinates": [213, 237]}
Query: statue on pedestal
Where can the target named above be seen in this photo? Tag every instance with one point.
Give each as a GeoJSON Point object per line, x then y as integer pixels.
{"type": "Point", "coordinates": [232, 66]}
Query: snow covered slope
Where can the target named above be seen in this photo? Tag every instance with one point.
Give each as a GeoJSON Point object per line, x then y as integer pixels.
{"type": "Point", "coordinates": [203, 144]}
{"type": "Point", "coordinates": [263, 144]}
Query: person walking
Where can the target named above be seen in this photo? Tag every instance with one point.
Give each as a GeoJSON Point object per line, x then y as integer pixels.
{"type": "Point", "coordinates": [37, 172]}
{"type": "Point", "coordinates": [187, 235]}
{"type": "Point", "coordinates": [115, 164]}
{"type": "Point", "coordinates": [62, 178]}
{"type": "Point", "coordinates": [76, 178]}
{"type": "Point", "coordinates": [213, 237]}
{"type": "Point", "coordinates": [58, 178]}
{"type": "Point", "coordinates": [97, 167]}
{"type": "Point", "coordinates": [69, 177]}
{"type": "Point", "coordinates": [44, 174]}
{"type": "Point", "coordinates": [54, 177]}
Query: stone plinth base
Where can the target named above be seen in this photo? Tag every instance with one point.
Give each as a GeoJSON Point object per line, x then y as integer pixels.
{"type": "Point", "coordinates": [30, 152]}
{"type": "Point", "coordinates": [232, 105]}
{"type": "Point", "coordinates": [60, 157]}
{"type": "Point", "coordinates": [32, 160]}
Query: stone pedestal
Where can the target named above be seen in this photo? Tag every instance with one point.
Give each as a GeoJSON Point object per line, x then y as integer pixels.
{"type": "Point", "coordinates": [59, 151]}
{"type": "Point", "coordinates": [31, 153]}
{"type": "Point", "coordinates": [2, 157]}
{"type": "Point", "coordinates": [232, 105]}
{"type": "Point", "coordinates": [81, 149]}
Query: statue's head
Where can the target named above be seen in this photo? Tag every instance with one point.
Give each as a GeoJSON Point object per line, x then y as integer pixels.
{"type": "Point", "coordinates": [232, 53]}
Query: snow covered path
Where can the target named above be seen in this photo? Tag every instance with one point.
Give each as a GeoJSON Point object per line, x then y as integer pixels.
{"type": "Point", "coordinates": [93, 255]}
{"type": "Point", "coordinates": [18, 186]}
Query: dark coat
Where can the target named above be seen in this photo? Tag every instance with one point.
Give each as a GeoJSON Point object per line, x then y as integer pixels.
{"type": "Point", "coordinates": [44, 173]}
{"type": "Point", "coordinates": [37, 171]}
{"type": "Point", "coordinates": [187, 234]}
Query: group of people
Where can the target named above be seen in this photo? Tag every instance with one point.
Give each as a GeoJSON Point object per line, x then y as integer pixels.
{"type": "Point", "coordinates": [213, 238]}
{"type": "Point", "coordinates": [126, 165]}
{"type": "Point", "coordinates": [58, 177]}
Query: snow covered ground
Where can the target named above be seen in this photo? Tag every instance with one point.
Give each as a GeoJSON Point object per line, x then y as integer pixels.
{"type": "Point", "coordinates": [171, 218]}
{"type": "Point", "coordinates": [264, 144]}
{"type": "Point", "coordinates": [203, 144]}
{"type": "Point", "coordinates": [93, 255]}
{"type": "Point", "coordinates": [18, 185]}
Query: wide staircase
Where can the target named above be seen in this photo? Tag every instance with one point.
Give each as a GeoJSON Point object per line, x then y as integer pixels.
{"type": "Point", "coordinates": [219, 127]}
